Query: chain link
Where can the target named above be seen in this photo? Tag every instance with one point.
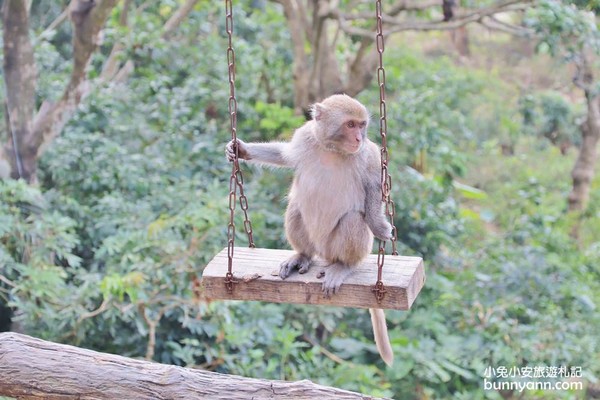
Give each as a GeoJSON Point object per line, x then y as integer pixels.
{"type": "Point", "coordinates": [236, 181]}
{"type": "Point", "coordinates": [386, 180]}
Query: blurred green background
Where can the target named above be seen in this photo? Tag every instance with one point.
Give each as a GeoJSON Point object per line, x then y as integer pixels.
{"type": "Point", "coordinates": [103, 246]}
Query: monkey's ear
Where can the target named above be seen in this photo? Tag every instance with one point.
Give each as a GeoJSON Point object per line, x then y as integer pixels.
{"type": "Point", "coordinates": [318, 111]}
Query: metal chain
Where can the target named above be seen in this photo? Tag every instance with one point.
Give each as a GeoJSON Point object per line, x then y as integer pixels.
{"type": "Point", "coordinates": [236, 181]}
{"type": "Point", "coordinates": [386, 179]}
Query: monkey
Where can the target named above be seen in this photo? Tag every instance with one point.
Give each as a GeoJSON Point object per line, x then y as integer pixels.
{"type": "Point", "coordinates": [335, 203]}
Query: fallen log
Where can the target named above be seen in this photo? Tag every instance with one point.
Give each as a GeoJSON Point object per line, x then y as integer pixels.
{"type": "Point", "coordinates": [32, 368]}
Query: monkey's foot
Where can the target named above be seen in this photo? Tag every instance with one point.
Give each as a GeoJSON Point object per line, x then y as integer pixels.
{"type": "Point", "coordinates": [297, 261]}
{"type": "Point", "coordinates": [335, 275]}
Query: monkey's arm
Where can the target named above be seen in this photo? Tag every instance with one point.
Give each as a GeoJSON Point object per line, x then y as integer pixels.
{"type": "Point", "coordinates": [374, 215]}
{"type": "Point", "coordinates": [265, 153]}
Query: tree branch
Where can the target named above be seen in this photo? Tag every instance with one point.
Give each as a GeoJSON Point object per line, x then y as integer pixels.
{"type": "Point", "coordinates": [87, 24]}
{"type": "Point", "coordinates": [111, 65]}
{"type": "Point", "coordinates": [501, 26]}
{"type": "Point", "coordinates": [362, 68]}
{"type": "Point", "coordinates": [111, 72]}
{"type": "Point", "coordinates": [177, 17]}
{"type": "Point", "coordinates": [406, 5]}
{"type": "Point", "coordinates": [399, 25]}
{"type": "Point", "coordinates": [36, 369]}
{"type": "Point", "coordinates": [64, 16]}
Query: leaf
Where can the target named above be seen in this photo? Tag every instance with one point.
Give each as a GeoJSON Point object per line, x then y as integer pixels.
{"type": "Point", "coordinates": [469, 192]}
{"type": "Point", "coordinates": [465, 373]}
{"type": "Point", "coordinates": [157, 226]}
{"type": "Point", "coordinates": [587, 302]}
{"type": "Point", "coordinates": [348, 347]}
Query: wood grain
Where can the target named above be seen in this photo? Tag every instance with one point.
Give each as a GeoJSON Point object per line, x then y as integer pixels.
{"type": "Point", "coordinates": [256, 271]}
{"type": "Point", "coordinates": [36, 369]}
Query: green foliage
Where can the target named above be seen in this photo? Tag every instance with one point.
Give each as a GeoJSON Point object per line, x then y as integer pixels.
{"type": "Point", "coordinates": [132, 203]}
{"type": "Point", "coordinates": [551, 116]}
{"type": "Point", "coordinates": [432, 100]}
{"type": "Point", "coordinates": [275, 119]}
{"type": "Point", "coordinates": [564, 29]}
{"type": "Point", "coordinates": [37, 258]}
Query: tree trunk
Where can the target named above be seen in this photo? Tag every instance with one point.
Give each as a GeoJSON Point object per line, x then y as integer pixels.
{"type": "Point", "coordinates": [583, 171]}
{"type": "Point", "coordinates": [363, 68]}
{"type": "Point", "coordinates": [317, 72]}
{"type": "Point", "coordinates": [460, 39]}
{"type": "Point", "coordinates": [295, 15]}
{"type": "Point", "coordinates": [329, 75]}
{"type": "Point", "coordinates": [29, 134]}
{"type": "Point", "coordinates": [19, 78]}
{"type": "Point", "coordinates": [87, 24]}
{"type": "Point", "coordinates": [36, 369]}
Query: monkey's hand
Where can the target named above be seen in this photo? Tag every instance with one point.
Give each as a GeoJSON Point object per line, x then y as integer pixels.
{"type": "Point", "coordinates": [242, 149]}
{"type": "Point", "coordinates": [382, 229]}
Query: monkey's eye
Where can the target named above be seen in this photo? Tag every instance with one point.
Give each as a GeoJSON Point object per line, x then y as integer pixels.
{"type": "Point", "coordinates": [350, 124]}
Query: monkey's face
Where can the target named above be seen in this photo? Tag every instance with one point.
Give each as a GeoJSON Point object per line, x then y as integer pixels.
{"type": "Point", "coordinates": [352, 135]}
{"type": "Point", "coordinates": [341, 123]}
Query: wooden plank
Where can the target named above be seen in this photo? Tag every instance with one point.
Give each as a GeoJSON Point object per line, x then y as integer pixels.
{"type": "Point", "coordinates": [257, 272]}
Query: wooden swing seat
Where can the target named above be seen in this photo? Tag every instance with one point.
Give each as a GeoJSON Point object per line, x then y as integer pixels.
{"type": "Point", "coordinates": [256, 272]}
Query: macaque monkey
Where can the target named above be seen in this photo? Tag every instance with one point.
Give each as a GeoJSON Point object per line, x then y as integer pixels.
{"type": "Point", "coordinates": [334, 205]}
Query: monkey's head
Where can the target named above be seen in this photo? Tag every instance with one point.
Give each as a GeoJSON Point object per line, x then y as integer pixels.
{"type": "Point", "coordinates": [341, 123]}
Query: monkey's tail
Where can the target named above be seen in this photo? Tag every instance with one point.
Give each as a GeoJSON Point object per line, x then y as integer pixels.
{"type": "Point", "coordinates": [382, 340]}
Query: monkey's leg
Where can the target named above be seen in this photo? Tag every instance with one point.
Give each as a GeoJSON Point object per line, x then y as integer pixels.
{"type": "Point", "coordinates": [350, 242]}
{"type": "Point", "coordinates": [297, 236]}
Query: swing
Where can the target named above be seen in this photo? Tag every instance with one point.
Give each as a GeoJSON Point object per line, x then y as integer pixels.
{"type": "Point", "coordinates": [256, 275]}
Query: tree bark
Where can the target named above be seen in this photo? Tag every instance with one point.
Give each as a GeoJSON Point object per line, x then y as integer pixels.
{"type": "Point", "coordinates": [317, 73]}
{"type": "Point", "coordinates": [583, 171]}
{"type": "Point", "coordinates": [175, 20]}
{"type": "Point", "coordinates": [87, 25]}
{"type": "Point", "coordinates": [36, 369]}
{"type": "Point", "coordinates": [112, 66]}
{"type": "Point", "coordinates": [329, 75]}
{"type": "Point", "coordinates": [295, 14]}
{"type": "Point", "coordinates": [30, 133]}
{"type": "Point", "coordinates": [363, 67]}
{"type": "Point", "coordinates": [461, 42]}
{"type": "Point", "coordinates": [19, 78]}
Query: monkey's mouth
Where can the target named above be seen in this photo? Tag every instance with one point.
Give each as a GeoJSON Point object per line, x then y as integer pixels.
{"type": "Point", "coordinates": [353, 148]}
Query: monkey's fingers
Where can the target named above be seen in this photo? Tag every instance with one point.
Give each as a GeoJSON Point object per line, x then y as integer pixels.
{"type": "Point", "coordinates": [230, 151]}
{"type": "Point", "coordinates": [297, 261]}
{"type": "Point", "coordinates": [335, 275]}
{"type": "Point", "coordinates": [384, 232]}
{"type": "Point", "coordinates": [285, 270]}
{"type": "Point", "coordinates": [302, 269]}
